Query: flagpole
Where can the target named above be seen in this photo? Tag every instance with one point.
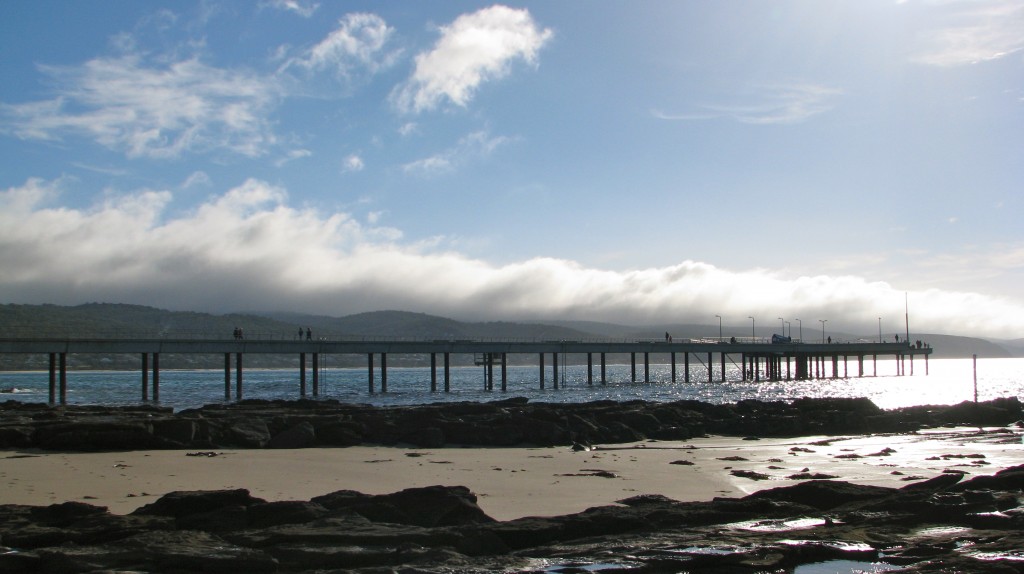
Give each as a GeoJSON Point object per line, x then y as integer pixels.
{"type": "Point", "coordinates": [906, 315]}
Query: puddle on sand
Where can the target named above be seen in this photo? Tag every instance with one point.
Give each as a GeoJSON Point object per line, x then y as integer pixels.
{"type": "Point", "coordinates": [777, 525]}
{"type": "Point", "coordinates": [574, 567]}
{"type": "Point", "coordinates": [840, 545]}
{"type": "Point", "coordinates": [1008, 556]}
{"type": "Point", "coordinates": [844, 567]}
{"type": "Point", "coordinates": [943, 531]}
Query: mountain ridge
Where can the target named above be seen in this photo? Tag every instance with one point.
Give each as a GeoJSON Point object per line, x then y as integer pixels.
{"type": "Point", "coordinates": [126, 320]}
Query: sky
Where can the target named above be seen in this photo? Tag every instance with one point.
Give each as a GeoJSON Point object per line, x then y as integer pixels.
{"type": "Point", "coordinates": [764, 161]}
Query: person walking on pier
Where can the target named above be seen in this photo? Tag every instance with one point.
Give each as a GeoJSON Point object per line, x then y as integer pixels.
{"type": "Point", "coordinates": [309, 334]}
{"type": "Point", "coordinates": [300, 334]}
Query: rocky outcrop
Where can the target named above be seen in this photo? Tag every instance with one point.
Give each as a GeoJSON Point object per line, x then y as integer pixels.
{"type": "Point", "coordinates": [306, 423]}
{"type": "Point", "coordinates": [946, 525]}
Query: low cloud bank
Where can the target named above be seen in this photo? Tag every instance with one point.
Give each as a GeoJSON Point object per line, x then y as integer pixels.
{"type": "Point", "coordinates": [249, 250]}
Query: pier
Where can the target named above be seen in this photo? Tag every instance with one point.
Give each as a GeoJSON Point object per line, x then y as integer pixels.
{"type": "Point", "coordinates": [757, 360]}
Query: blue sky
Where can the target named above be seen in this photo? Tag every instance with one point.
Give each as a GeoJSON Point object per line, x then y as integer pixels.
{"type": "Point", "coordinates": [631, 162]}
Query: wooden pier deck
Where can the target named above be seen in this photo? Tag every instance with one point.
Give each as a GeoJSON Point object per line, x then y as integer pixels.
{"type": "Point", "coordinates": [757, 358]}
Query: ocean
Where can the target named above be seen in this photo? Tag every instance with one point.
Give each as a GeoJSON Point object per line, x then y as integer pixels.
{"type": "Point", "coordinates": [949, 381]}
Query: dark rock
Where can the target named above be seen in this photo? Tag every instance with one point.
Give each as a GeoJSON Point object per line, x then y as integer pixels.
{"type": "Point", "coordinates": [301, 435]}
{"type": "Point", "coordinates": [428, 506]}
{"type": "Point", "coordinates": [183, 503]}
{"type": "Point", "coordinates": [263, 515]}
{"type": "Point", "coordinates": [287, 424]}
{"type": "Point", "coordinates": [823, 494]}
{"type": "Point", "coordinates": [177, 431]}
{"type": "Point", "coordinates": [158, 551]}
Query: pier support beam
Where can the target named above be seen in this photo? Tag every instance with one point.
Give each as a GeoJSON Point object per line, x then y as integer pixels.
{"type": "Point", "coordinates": [542, 371]}
{"type": "Point", "coordinates": [554, 369]}
{"type": "Point", "coordinates": [63, 379]}
{"type": "Point", "coordinates": [632, 361]}
{"type": "Point", "coordinates": [711, 368]}
{"type": "Point", "coordinates": [672, 359]}
{"type": "Point", "coordinates": [647, 367]}
{"type": "Point", "coordinates": [604, 380]}
{"type": "Point", "coordinates": [227, 376]}
{"type": "Point", "coordinates": [504, 372]}
{"type": "Point", "coordinates": [383, 372]}
{"type": "Point", "coordinates": [145, 377]}
{"type": "Point", "coordinates": [590, 368]}
{"type": "Point", "coordinates": [316, 374]}
{"type": "Point", "coordinates": [722, 357]}
{"type": "Point", "coordinates": [369, 369]}
{"type": "Point", "coordinates": [53, 378]}
{"type": "Point", "coordinates": [447, 372]}
{"type": "Point", "coordinates": [156, 377]}
{"type": "Point", "coordinates": [238, 376]}
{"type": "Point", "coordinates": [686, 367]}
{"type": "Point", "coordinates": [433, 372]}
{"type": "Point", "coordinates": [302, 375]}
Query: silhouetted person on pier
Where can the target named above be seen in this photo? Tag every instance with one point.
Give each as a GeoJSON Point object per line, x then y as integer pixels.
{"type": "Point", "coordinates": [897, 337]}
{"type": "Point", "coordinates": [309, 334]}
{"type": "Point", "coordinates": [300, 333]}
{"type": "Point", "coordinates": [830, 339]}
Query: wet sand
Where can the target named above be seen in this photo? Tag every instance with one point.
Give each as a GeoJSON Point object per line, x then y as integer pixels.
{"type": "Point", "coordinates": [510, 482]}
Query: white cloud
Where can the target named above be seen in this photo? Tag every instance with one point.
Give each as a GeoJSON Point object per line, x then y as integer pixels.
{"type": "Point", "coordinates": [247, 249]}
{"type": "Point", "coordinates": [358, 43]}
{"type": "Point", "coordinates": [777, 104]}
{"type": "Point", "coordinates": [473, 49]}
{"type": "Point", "coordinates": [304, 9]}
{"type": "Point", "coordinates": [474, 145]}
{"type": "Point", "coordinates": [352, 163]}
{"type": "Point", "coordinates": [973, 31]}
{"type": "Point", "coordinates": [292, 155]}
{"type": "Point", "coordinates": [151, 110]}
{"type": "Point", "coordinates": [197, 178]}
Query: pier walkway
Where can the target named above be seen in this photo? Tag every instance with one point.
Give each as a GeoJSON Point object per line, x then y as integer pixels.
{"type": "Point", "coordinates": [757, 358]}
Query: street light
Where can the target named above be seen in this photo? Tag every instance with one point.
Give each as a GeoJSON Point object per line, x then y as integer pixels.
{"type": "Point", "coordinates": [782, 322]}
{"type": "Point", "coordinates": [720, 328]}
{"type": "Point", "coordinates": [823, 321]}
{"type": "Point", "coordinates": [801, 323]}
{"type": "Point", "coordinates": [790, 331]}
{"type": "Point", "coordinates": [879, 329]}
{"type": "Point", "coordinates": [753, 337]}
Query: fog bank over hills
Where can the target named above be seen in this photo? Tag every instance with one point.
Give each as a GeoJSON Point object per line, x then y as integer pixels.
{"type": "Point", "coordinates": [119, 320]}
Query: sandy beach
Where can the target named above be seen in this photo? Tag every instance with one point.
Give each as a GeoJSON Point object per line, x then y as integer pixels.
{"type": "Point", "coordinates": [510, 482]}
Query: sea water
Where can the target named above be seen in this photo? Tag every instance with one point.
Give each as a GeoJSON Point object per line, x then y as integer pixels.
{"type": "Point", "coordinates": [948, 381]}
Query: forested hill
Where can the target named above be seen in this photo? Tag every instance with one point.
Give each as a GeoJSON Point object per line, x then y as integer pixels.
{"type": "Point", "coordinates": [120, 320]}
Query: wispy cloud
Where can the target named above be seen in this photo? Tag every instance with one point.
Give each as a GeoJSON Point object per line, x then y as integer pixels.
{"type": "Point", "coordinates": [776, 104]}
{"type": "Point", "coordinates": [291, 156]}
{"type": "Point", "coordinates": [973, 31]}
{"type": "Point", "coordinates": [358, 43]}
{"type": "Point", "coordinates": [475, 145]}
{"type": "Point", "coordinates": [197, 178]}
{"type": "Point", "coordinates": [151, 109]}
{"type": "Point", "coordinates": [249, 249]}
{"type": "Point", "coordinates": [304, 9]}
{"type": "Point", "coordinates": [475, 48]}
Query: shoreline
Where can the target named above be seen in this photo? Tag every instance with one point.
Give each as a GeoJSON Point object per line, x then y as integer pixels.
{"type": "Point", "coordinates": [513, 482]}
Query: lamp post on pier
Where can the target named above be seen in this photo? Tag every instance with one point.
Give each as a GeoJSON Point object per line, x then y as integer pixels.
{"type": "Point", "coordinates": [879, 329]}
{"type": "Point", "coordinates": [801, 324]}
{"type": "Point", "coordinates": [753, 337]}
{"type": "Point", "coordinates": [790, 331]}
{"type": "Point", "coordinates": [720, 328]}
{"type": "Point", "coordinates": [782, 323]}
{"type": "Point", "coordinates": [823, 321]}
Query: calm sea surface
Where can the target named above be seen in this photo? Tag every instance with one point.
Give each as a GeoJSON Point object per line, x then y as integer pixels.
{"type": "Point", "coordinates": [949, 381]}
